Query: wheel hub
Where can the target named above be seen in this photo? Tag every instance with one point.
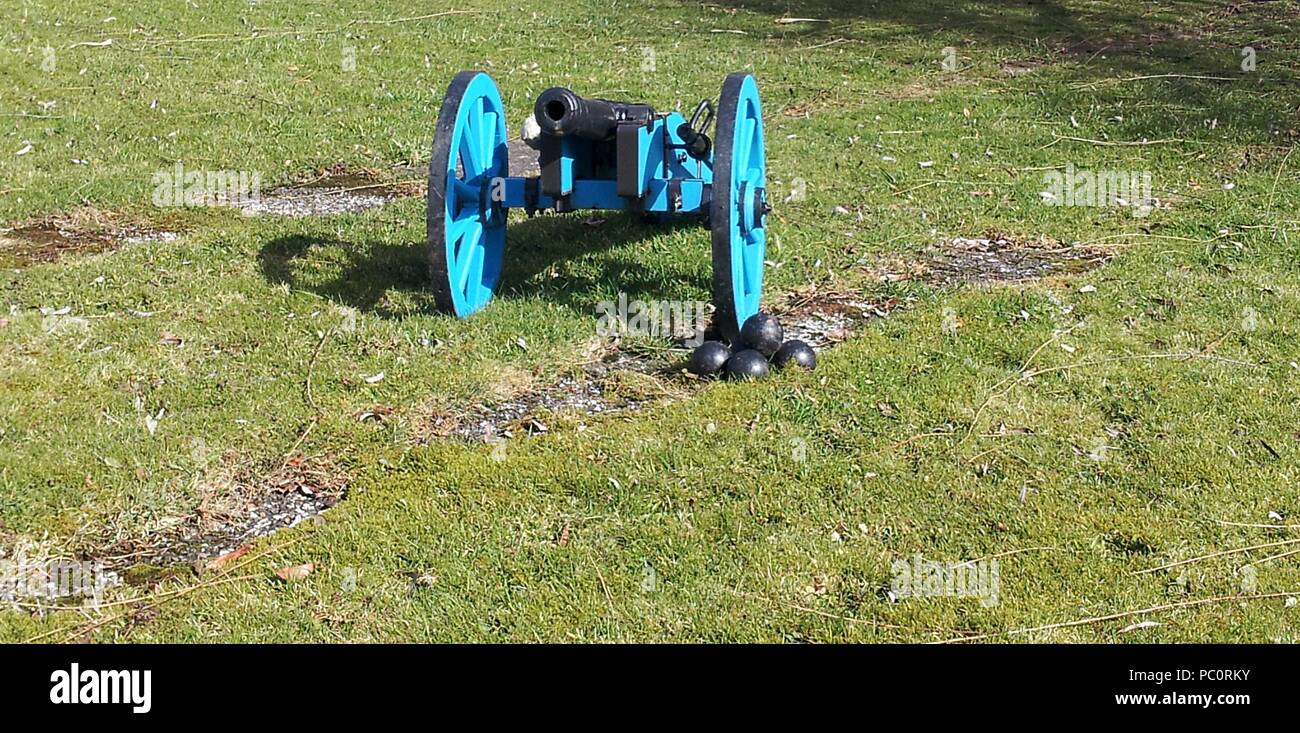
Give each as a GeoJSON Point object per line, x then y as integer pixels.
{"type": "Point", "coordinates": [488, 212]}
{"type": "Point", "coordinates": [753, 207]}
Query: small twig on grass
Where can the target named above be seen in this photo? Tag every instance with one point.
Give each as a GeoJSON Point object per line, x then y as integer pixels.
{"type": "Point", "coordinates": [1019, 375]}
{"type": "Point", "coordinates": [123, 602]}
{"type": "Point", "coordinates": [157, 601]}
{"type": "Point", "coordinates": [221, 577]}
{"type": "Point", "coordinates": [1144, 77]}
{"type": "Point", "coordinates": [1148, 77]}
{"type": "Point", "coordinates": [1118, 143]}
{"type": "Point", "coordinates": [920, 436]}
{"type": "Point", "coordinates": [317, 412]}
{"type": "Point", "coordinates": [1272, 192]}
{"type": "Point", "coordinates": [1278, 556]}
{"type": "Point", "coordinates": [311, 368]}
{"type": "Point", "coordinates": [1009, 553]}
{"type": "Point", "coordinates": [1221, 553]}
{"type": "Point", "coordinates": [1129, 235]}
{"type": "Point", "coordinates": [609, 597]}
{"type": "Point", "coordinates": [824, 614]}
{"type": "Point", "coordinates": [1114, 616]}
{"type": "Point", "coordinates": [832, 42]}
{"type": "Point", "coordinates": [260, 35]}
{"type": "Point", "coordinates": [1259, 526]}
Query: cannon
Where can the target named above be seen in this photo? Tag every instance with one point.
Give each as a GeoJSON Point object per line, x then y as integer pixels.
{"type": "Point", "coordinates": [597, 154]}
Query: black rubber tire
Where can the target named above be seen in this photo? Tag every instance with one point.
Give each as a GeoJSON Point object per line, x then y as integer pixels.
{"type": "Point", "coordinates": [721, 213]}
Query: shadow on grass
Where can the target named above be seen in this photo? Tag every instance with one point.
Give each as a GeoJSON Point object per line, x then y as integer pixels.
{"type": "Point", "coordinates": [1190, 52]}
{"type": "Point", "coordinates": [364, 274]}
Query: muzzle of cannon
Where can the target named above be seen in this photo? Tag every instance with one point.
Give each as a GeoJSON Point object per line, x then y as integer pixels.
{"type": "Point", "coordinates": [561, 112]}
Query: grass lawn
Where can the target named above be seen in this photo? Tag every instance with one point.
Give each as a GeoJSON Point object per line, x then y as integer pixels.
{"type": "Point", "coordinates": [1121, 441]}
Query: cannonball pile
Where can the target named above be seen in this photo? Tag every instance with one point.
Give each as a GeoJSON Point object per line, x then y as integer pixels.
{"type": "Point", "coordinates": [754, 353]}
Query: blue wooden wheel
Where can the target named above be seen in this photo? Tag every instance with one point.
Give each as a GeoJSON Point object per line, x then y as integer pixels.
{"type": "Point", "coordinates": [466, 229]}
{"type": "Point", "coordinates": [738, 214]}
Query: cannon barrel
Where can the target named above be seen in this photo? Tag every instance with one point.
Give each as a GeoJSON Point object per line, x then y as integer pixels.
{"type": "Point", "coordinates": [561, 112]}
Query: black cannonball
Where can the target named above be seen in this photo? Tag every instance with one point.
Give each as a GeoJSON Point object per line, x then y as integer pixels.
{"type": "Point", "coordinates": [795, 353]}
{"type": "Point", "coordinates": [762, 332]}
{"type": "Point", "coordinates": [708, 358]}
{"type": "Point", "coordinates": [747, 364]}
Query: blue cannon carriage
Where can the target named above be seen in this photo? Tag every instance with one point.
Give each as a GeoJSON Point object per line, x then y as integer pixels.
{"type": "Point", "coordinates": [597, 154]}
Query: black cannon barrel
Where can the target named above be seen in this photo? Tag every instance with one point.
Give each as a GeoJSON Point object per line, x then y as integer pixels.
{"type": "Point", "coordinates": [561, 112]}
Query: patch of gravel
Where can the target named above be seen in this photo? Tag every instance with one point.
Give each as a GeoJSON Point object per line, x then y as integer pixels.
{"type": "Point", "coordinates": [819, 329]}
{"type": "Point", "coordinates": [523, 415]}
{"type": "Point", "coordinates": [523, 159]}
{"type": "Point", "coordinates": [1000, 259]}
{"type": "Point", "coordinates": [140, 237]}
{"type": "Point", "coordinates": [235, 510]}
{"type": "Point", "coordinates": [276, 510]}
{"type": "Point", "coordinates": [823, 318]}
{"type": "Point", "coordinates": [318, 200]}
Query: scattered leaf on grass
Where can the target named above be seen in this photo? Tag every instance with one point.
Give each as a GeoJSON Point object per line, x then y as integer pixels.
{"type": "Point", "coordinates": [295, 572]}
{"type": "Point", "coordinates": [375, 378]}
{"type": "Point", "coordinates": [221, 561]}
{"type": "Point", "coordinates": [818, 586]}
{"type": "Point", "coordinates": [167, 338]}
{"type": "Point", "coordinates": [151, 421]}
{"type": "Point", "coordinates": [378, 413]}
{"type": "Point", "coordinates": [532, 425]}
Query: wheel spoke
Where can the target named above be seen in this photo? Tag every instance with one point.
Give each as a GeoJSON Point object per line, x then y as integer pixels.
{"type": "Point", "coordinates": [469, 258]}
{"type": "Point", "coordinates": [460, 226]}
{"type": "Point", "coordinates": [743, 147]}
{"type": "Point", "coordinates": [487, 136]}
{"type": "Point", "coordinates": [753, 254]}
{"type": "Point", "coordinates": [469, 147]}
{"type": "Point", "coordinates": [474, 282]}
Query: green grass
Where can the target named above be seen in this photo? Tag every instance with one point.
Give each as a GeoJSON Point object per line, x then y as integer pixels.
{"type": "Point", "coordinates": [1174, 413]}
